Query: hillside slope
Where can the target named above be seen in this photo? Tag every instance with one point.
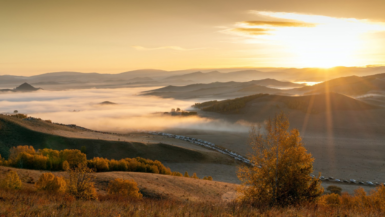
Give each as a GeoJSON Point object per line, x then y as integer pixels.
{"type": "Point", "coordinates": [151, 185]}
{"type": "Point", "coordinates": [351, 85]}
{"type": "Point", "coordinates": [310, 103]}
{"type": "Point", "coordinates": [15, 132]}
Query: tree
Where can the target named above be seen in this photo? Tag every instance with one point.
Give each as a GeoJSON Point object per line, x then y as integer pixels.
{"type": "Point", "coordinates": [122, 187]}
{"type": "Point", "coordinates": [65, 165]}
{"type": "Point", "coordinates": [281, 168]}
{"type": "Point", "coordinates": [11, 181]}
{"type": "Point", "coordinates": [194, 176]}
{"type": "Point", "coordinates": [51, 183]}
{"type": "Point", "coordinates": [186, 174]}
{"type": "Point", "coordinates": [16, 111]}
{"type": "Point", "coordinates": [80, 183]}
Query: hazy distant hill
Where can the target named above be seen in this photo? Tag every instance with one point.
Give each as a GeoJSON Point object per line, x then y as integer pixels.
{"type": "Point", "coordinates": [71, 80]}
{"type": "Point", "coordinates": [220, 90]}
{"type": "Point", "coordinates": [309, 104]}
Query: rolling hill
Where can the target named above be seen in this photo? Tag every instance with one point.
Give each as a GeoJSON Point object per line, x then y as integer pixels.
{"type": "Point", "coordinates": [14, 132]}
{"type": "Point", "coordinates": [309, 104]}
{"type": "Point", "coordinates": [351, 85]}
{"type": "Point", "coordinates": [219, 90]}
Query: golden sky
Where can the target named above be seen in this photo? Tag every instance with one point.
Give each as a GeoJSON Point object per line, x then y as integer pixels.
{"type": "Point", "coordinates": [113, 36]}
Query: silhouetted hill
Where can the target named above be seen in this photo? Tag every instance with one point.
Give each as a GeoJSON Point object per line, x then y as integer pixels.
{"type": "Point", "coordinates": [309, 104]}
{"type": "Point", "coordinates": [25, 87]}
{"type": "Point", "coordinates": [352, 85]}
{"type": "Point", "coordinates": [107, 103]}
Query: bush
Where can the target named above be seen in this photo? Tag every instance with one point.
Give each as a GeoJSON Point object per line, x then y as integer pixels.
{"type": "Point", "coordinates": [334, 189]}
{"type": "Point", "coordinates": [194, 176]}
{"type": "Point", "coordinates": [11, 181]}
{"type": "Point", "coordinates": [51, 183]}
{"type": "Point", "coordinates": [80, 183]}
{"type": "Point", "coordinates": [186, 174]}
{"type": "Point", "coordinates": [122, 187]}
{"type": "Point", "coordinates": [177, 174]}
{"type": "Point", "coordinates": [208, 178]}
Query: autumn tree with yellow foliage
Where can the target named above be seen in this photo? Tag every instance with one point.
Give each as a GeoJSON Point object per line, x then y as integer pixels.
{"type": "Point", "coordinates": [280, 175]}
{"type": "Point", "coordinates": [51, 183]}
{"type": "Point", "coordinates": [123, 187]}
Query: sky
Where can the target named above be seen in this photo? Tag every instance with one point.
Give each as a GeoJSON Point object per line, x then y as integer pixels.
{"type": "Point", "coordinates": [114, 36]}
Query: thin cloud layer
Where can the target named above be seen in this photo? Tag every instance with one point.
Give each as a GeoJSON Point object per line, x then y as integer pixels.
{"type": "Point", "coordinates": [278, 24]}
{"type": "Point", "coordinates": [166, 48]}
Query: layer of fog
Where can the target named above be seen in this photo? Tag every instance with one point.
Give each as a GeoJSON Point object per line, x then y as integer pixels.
{"type": "Point", "coordinates": [131, 111]}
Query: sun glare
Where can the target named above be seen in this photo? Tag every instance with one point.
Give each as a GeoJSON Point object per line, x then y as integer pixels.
{"type": "Point", "coordinates": [325, 42]}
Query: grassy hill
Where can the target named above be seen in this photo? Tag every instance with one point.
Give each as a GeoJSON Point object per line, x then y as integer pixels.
{"type": "Point", "coordinates": [310, 103]}
{"type": "Point", "coordinates": [14, 132]}
{"type": "Point", "coordinates": [150, 185]}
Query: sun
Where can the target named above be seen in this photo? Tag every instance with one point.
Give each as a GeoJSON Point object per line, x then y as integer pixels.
{"type": "Point", "coordinates": [321, 41]}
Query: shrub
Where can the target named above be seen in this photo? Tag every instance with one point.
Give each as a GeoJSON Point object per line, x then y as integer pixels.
{"type": "Point", "coordinates": [186, 174]}
{"type": "Point", "coordinates": [80, 183]}
{"type": "Point", "coordinates": [332, 200]}
{"type": "Point", "coordinates": [11, 181]}
{"type": "Point", "coordinates": [334, 189]}
{"type": "Point", "coordinates": [124, 188]}
{"type": "Point", "coordinates": [51, 183]}
{"type": "Point", "coordinates": [177, 174]}
{"type": "Point", "coordinates": [208, 178]}
{"type": "Point", "coordinates": [194, 176]}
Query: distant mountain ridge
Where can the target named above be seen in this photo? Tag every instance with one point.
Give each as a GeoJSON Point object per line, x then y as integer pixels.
{"type": "Point", "coordinates": [182, 77]}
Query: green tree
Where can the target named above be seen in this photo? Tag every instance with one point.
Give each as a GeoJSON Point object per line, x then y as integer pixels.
{"type": "Point", "coordinates": [281, 169]}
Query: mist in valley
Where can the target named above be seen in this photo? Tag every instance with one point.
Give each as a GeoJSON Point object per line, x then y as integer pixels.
{"type": "Point", "coordinates": [130, 111]}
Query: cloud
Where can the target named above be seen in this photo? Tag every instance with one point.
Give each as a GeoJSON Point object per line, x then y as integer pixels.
{"type": "Point", "coordinates": [278, 24]}
{"type": "Point", "coordinates": [166, 48]}
{"type": "Point", "coordinates": [252, 31]}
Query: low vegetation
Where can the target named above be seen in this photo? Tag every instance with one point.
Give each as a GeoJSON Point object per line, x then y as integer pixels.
{"type": "Point", "coordinates": [27, 157]}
